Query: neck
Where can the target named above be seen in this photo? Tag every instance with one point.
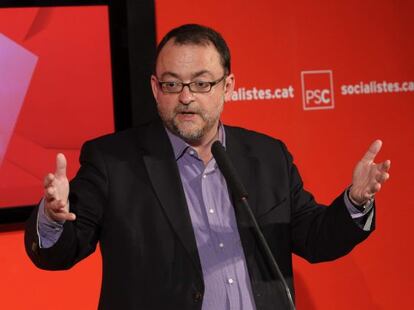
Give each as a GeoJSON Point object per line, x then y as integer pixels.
{"type": "Point", "coordinates": [203, 147]}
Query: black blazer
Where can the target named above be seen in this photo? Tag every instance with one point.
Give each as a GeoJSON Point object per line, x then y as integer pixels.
{"type": "Point", "coordinates": [128, 196]}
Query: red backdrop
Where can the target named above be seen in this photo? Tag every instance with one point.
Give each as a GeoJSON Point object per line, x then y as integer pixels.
{"type": "Point", "coordinates": [329, 77]}
{"type": "Point", "coordinates": [318, 54]}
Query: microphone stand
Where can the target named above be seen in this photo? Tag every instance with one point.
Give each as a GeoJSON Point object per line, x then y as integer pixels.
{"type": "Point", "coordinates": [238, 190]}
{"type": "Point", "coordinates": [268, 253]}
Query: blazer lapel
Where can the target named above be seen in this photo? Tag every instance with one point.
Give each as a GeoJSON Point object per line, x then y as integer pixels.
{"type": "Point", "coordinates": [164, 175]}
{"type": "Point", "coordinates": [244, 164]}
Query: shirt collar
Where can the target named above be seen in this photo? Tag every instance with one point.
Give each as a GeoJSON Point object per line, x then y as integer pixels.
{"type": "Point", "coordinates": [180, 146]}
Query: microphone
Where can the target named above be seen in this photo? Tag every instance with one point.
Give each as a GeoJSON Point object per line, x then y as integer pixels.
{"type": "Point", "coordinates": [240, 193]}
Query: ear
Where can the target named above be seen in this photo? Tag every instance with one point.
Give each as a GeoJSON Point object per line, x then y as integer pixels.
{"type": "Point", "coordinates": [229, 87]}
{"type": "Point", "coordinates": [155, 88]}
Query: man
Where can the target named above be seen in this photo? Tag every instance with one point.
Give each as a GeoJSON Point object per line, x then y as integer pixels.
{"type": "Point", "coordinates": [170, 232]}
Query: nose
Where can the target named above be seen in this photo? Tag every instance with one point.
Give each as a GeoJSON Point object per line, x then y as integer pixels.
{"type": "Point", "coordinates": [186, 96]}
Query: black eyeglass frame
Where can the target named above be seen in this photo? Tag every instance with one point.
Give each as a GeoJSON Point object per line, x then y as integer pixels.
{"type": "Point", "coordinates": [211, 83]}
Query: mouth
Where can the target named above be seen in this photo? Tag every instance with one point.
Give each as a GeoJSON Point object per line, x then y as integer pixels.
{"type": "Point", "coordinates": [186, 115]}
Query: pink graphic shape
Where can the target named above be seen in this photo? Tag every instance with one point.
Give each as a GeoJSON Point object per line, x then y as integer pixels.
{"type": "Point", "coordinates": [16, 69]}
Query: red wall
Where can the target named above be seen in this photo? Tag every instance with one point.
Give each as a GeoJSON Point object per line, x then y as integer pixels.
{"type": "Point", "coordinates": [23, 286]}
{"type": "Point", "coordinates": [272, 42]}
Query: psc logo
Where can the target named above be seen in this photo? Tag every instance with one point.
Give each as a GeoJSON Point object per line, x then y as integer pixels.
{"type": "Point", "coordinates": [317, 90]}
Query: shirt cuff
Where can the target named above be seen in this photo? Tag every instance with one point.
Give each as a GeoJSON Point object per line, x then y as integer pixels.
{"type": "Point", "coordinates": [48, 231]}
{"type": "Point", "coordinates": [358, 214]}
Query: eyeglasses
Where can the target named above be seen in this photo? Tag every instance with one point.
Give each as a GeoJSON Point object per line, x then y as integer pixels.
{"type": "Point", "coordinates": [174, 87]}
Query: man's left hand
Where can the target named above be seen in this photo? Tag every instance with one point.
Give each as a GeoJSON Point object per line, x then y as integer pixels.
{"type": "Point", "coordinates": [368, 176]}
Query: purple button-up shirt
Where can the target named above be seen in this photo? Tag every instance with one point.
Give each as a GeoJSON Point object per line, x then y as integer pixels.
{"type": "Point", "coordinates": [226, 278]}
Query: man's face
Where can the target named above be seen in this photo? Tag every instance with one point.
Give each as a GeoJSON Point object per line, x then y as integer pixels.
{"type": "Point", "coordinates": [192, 116]}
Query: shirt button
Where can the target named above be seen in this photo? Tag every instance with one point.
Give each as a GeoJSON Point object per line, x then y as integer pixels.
{"type": "Point", "coordinates": [191, 152]}
{"type": "Point", "coordinates": [221, 245]}
{"type": "Point", "coordinates": [204, 176]}
{"type": "Point", "coordinates": [211, 211]}
{"type": "Point", "coordinates": [230, 280]}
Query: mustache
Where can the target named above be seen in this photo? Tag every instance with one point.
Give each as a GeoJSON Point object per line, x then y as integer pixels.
{"type": "Point", "coordinates": [187, 109]}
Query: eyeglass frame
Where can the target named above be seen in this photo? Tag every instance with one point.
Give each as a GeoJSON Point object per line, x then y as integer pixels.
{"type": "Point", "coordinates": [211, 83]}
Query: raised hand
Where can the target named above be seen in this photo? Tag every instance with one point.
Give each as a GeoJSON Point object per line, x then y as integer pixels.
{"type": "Point", "coordinates": [368, 176]}
{"type": "Point", "coordinates": [57, 192]}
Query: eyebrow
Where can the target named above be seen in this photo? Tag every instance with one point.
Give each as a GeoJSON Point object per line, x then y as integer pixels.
{"type": "Point", "coordinates": [175, 75]}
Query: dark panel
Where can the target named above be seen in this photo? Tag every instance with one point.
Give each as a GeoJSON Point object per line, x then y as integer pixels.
{"type": "Point", "coordinates": [142, 45]}
{"type": "Point", "coordinates": [120, 64]}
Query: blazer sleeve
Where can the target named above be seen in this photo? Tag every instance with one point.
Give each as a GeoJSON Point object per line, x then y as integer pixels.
{"type": "Point", "coordinates": [319, 233]}
{"type": "Point", "coordinates": [88, 195]}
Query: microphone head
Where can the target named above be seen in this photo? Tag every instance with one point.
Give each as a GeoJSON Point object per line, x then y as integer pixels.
{"type": "Point", "coordinates": [228, 171]}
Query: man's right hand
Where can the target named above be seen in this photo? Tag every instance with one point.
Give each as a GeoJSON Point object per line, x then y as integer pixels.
{"type": "Point", "coordinates": [57, 193]}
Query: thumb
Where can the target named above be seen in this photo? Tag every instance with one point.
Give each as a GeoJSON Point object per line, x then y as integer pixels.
{"type": "Point", "coordinates": [60, 166]}
{"type": "Point", "coordinates": [372, 151]}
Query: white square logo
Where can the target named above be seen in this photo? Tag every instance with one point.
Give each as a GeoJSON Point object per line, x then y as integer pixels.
{"type": "Point", "coordinates": [317, 90]}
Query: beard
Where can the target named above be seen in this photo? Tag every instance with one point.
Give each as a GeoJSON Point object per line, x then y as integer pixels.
{"type": "Point", "coordinates": [190, 131]}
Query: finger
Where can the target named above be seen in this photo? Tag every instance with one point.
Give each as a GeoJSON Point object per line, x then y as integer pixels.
{"type": "Point", "coordinates": [60, 166]}
{"type": "Point", "coordinates": [63, 205]}
{"type": "Point", "coordinates": [50, 193]}
{"type": "Point", "coordinates": [382, 177]}
{"type": "Point", "coordinates": [71, 216]}
{"type": "Point", "coordinates": [385, 166]}
{"type": "Point", "coordinates": [372, 151]}
{"type": "Point", "coordinates": [375, 188]}
{"type": "Point", "coordinates": [54, 206]}
{"type": "Point", "coordinates": [64, 216]}
{"type": "Point", "coordinates": [48, 180]}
